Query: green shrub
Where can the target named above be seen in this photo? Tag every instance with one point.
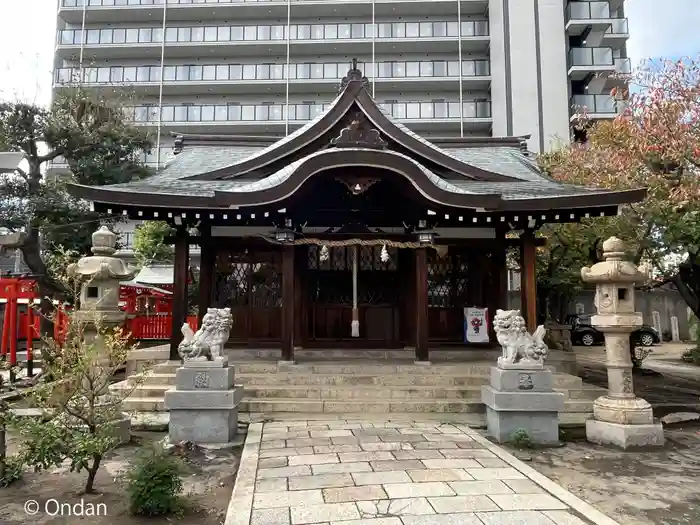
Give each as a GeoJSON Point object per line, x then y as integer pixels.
{"type": "Point", "coordinates": [14, 468]}
{"type": "Point", "coordinates": [521, 439]}
{"type": "Point", "coordinates": [154, 483]}
{"type": "Point", "coordinates": [692, 355]}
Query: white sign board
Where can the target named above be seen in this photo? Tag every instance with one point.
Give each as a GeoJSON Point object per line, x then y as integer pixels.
{"type": "Point", "coordinates": [476, 325]}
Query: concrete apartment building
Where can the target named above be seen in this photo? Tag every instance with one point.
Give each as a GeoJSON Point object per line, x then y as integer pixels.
{"type": "Point", "coordinates": [265, 67]}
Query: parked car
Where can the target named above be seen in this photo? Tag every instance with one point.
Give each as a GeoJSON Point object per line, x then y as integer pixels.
{"type": "Point", "coordinates": [583, 333]}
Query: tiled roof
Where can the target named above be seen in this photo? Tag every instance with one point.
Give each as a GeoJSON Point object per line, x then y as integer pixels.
{"type": "Point", "coordinates": [212, 166]}
{"type": "Point", "coordinates": [201, 159]}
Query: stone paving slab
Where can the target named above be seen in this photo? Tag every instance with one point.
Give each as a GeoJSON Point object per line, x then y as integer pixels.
{"type": "Point", "coordinates": [381, 472]}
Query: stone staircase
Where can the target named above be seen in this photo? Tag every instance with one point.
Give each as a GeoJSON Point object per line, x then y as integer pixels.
{"type": "Point", "coordinates": [355, 386]}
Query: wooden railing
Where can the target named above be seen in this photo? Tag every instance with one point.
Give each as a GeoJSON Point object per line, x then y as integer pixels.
{"type": "Point", "coordinates": [155, 327]}
{"type": "Point", "coordinates": [142, 327]}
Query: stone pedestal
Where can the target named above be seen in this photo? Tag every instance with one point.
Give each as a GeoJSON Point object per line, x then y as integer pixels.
{"type": "Point", "coordinates": [522, 399]}
{"type": "Point", "coordinates": [204, 405]}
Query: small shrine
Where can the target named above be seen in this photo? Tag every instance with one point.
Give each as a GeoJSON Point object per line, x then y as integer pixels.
{"type": "Point", "coordinates": [353, 231]}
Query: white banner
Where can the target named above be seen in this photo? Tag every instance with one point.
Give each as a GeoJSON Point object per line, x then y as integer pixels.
{"type": "Point", "coordinates": [476, 325]}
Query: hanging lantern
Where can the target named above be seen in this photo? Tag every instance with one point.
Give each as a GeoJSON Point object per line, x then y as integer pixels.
{"type": "Point", "coordinates": [384, 255]}
{"type": "Point", "coordinates": [426, 237]}
{"type": "Point", "coordinates": [284, 235]}
{"type": "Point", "coordinates": [323, 257]}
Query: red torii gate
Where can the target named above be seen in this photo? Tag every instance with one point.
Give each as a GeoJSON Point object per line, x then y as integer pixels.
{"type": "Point", "coordinates": [14, 290]}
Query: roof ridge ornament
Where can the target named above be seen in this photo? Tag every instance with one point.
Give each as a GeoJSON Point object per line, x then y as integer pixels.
{"type": "Point", "coordinates": [359, 133]}
{"type": "Point", "coordinates": [353, 75]}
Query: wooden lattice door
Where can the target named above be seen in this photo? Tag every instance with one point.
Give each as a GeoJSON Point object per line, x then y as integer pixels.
{"type": "Point", "coordinates": [250, 283]}
{"type": "Point", "coordinates": [448, 294]}
{"type": "Point", "coordinates": [329, 296]}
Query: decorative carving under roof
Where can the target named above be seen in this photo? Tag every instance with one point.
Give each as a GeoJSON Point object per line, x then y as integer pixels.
{"type": "Point", "coordinates": [353, 74]}
{"type": "Point", "coordinates": [357, 185]}
{"type": "Point", "coordinates": [359, 133]}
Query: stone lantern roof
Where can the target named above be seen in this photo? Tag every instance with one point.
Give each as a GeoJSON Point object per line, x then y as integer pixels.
{"type": "Point", "coordinates": [614, 268]}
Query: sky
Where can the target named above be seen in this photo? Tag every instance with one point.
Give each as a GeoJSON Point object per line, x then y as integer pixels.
{"type": "Point", "coordinates": [667, 29]}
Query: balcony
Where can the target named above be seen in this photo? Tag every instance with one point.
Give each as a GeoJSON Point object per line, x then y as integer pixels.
{"type": "Point", "coordinates": [618, 33]}
{"type": "Point", "coordinates": [623, 66]}
{"type": "Point", "coordinates": [581, 16]}
{"type": "Point", "coordinates": [585, 61]}
{"type": "Point", "coordinates": [211, 118]}
{"type": "Point", "coordinates": [60, 165]}
{"type": "Point", "coordinates": [596, 106]}
{"type": "Point", "coordinates": [120, 11]}
{"type": "Point", "coordinates": [250, 78]}
{"type": "Point", "coordinates": [257, 40]}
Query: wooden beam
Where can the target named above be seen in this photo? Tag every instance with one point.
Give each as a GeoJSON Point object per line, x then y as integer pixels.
{"type": "Point", "coordinates": [288, 303]}
{"type": "Point", "coordinates": [206, 272]}
{"type": "Point", "coordinates": [180, 276]}
{"type": "Point", "coordinates": [422, 351]}
{"type": "Point", "coordinates": [528, 279]}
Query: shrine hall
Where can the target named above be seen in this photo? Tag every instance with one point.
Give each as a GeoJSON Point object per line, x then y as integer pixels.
{"type": "Point", "coordinates": [353, 231]}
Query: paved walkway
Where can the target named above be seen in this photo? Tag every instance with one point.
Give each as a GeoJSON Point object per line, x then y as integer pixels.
{"type": "Point", "coordinates": [337, 472]}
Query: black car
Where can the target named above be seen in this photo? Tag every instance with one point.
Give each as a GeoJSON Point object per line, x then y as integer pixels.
{"type": "Point", "coordinates": [582, 333]}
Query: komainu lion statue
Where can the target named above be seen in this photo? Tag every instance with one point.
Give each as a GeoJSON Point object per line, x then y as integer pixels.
{"type": "Point", "coordinates": [208, 342]}
{"type": "Point", "coordinates": [519, 347]}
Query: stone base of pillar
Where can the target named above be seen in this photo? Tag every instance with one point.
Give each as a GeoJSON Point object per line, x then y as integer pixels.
{"type": "Point", "coordinates": [624, 436]}
{"type": "Point", "coordinates": [522, 400]}
{"type": "Point", "coordinates": [624, 422]}
{"type": "Point", "coordinates": [623, 410]}
{"type": "Point", "coordinates": [204, 405]}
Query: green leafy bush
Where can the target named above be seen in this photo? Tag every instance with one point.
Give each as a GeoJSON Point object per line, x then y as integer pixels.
{"type": "Point", "coordinates": [154, 483]}
{"type": "Point", "coordinates": [13, 470]}
{"type": "Point", "coordinates": [692, 355]}
{"type": "Point", "coordinates": [521, 439]}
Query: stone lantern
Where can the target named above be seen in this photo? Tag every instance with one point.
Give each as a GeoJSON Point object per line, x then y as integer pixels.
{"type": "Point", "coordinates": [619, 418]}
{"type": "Point", "coordinates": [100, 276]}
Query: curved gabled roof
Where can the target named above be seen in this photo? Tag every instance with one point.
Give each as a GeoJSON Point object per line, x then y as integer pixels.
{"type": "Point", "coordinates": [483, 174]}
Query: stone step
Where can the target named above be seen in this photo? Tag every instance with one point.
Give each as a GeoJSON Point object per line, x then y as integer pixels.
{"type": "Point", "coordinates": [155, 379]}
{"type": "Point", "coordinates": [388, 380]}
{"type": "Point", "coordinates": [280, 380]}
{"type": "Point", "coordinates": [377, 406]}
{"type": "Point", "coordinates": [141, 391]}
{"type": "Point", "coordinates": [257, 405]}
{"type": "Point", "coordinates": [587, 393]}
{"type": "Point", "coordinates": [363, 392]}
{"type": "Point", "coordinates": [143, 404]}
{"type": "Point", "coordinates": [359, 368]}
{"type": "Point", "coordinates": [578, 405]}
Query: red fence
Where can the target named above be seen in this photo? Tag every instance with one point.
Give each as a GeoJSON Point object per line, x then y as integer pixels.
{"type": "Point", "coordinates": [155, 327]}
{"type": "Point", "coordinates": [150, 327]}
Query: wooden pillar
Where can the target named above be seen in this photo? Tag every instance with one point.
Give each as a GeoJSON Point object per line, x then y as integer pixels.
{"type": "Point", "coordinates": [498, 298]}
{"type": "Point", "coordinates": [528, 279]}
{"type": "Point", "coordinates": [288, 303]}
{"type": "Point", "coordinates": [180, 277]}
{"type": "Point", "coordinates": [301, 262]}
{"type": "Point", "coordinates": [206, 272]}
{"type": "Point", "coordinates": [406, 269]}
{"type": "Point", "coordinates": [421, 302]}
